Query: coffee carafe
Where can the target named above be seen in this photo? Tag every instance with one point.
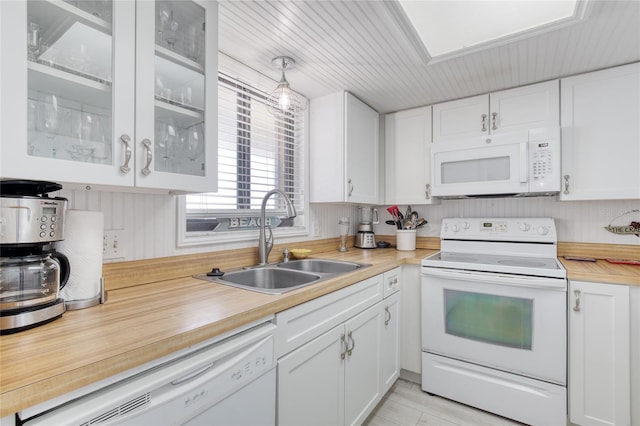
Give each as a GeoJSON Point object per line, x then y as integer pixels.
{"type": "Point", "coordinates": [31, 271]}
{"type": "Point", "coordinates": [367, 217]}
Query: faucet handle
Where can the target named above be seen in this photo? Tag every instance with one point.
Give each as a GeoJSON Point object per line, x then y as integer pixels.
{"type": "Point", "coordinates": [285, 255]}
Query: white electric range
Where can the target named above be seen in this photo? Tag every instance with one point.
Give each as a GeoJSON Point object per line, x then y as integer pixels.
{"type": "Point", "coordinates": [494, 318]}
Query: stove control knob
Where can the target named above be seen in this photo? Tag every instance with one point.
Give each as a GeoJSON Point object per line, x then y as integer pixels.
{"type": "Point", "coordinates": [543, 230]}
{"type": "Point", "coordinates": [455, 228]}
{"type": "Point", "coordinates": [465, 225]}
{"type": "Point", "coordinates": [525, 227]}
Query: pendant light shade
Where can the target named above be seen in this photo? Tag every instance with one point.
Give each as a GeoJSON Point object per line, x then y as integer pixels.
{"type": "Point", "coordinates": [283, 100]}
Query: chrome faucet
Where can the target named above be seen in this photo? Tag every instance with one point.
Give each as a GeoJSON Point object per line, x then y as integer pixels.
{"type": "Point", "coordinates": [264, 245]}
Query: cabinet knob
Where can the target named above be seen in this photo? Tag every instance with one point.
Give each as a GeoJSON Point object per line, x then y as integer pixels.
{"type": "Point", "coordinates": [484, 122]}
{"type": "Point", "coordinates": [387, 315]}
{"type": "Point", "coordinates": [494, 120]}
{"type": "Point", "coordinates": [576, 307]}
{"type": "Point", "coordinates": [427, 191]}
{"type": "Point", "coordinates": [147, 146]}
{"type": "Point", "coordinates": [566, 183]}
{"type": "Point", "coordinates": [350, 187]}
{"type": "Point", "coordinates": [127, 154]}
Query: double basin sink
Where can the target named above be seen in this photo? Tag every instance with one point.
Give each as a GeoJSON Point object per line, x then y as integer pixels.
{"type": "Point", "coordinates": [285, 276]}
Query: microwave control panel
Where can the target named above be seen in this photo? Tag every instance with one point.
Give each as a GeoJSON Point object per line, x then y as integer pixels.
{"type": "Point", "coordinates": [544, 166]}
{"type": "Point", "coordinates": [542, 160]}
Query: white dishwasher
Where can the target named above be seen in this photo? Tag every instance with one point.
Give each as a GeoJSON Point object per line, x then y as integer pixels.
{"type": "Point", "coordinates": [231, 382]}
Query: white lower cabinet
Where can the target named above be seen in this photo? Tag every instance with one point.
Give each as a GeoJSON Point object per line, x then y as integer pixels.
{"type": "Point", "coordinates": [410, 340]}
{"type": "Point", "coordinates": [391, 342]}
{"type": "Point", "coordinates": [335, 376]}
{"type": "Point", "coordinates": [390, 349]}
{"type": "Point", "coordinates": [599, 354]}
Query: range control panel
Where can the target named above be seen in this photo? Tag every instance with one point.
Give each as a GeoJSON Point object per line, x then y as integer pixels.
{"type": "Point", "coordinates": [499, 229]}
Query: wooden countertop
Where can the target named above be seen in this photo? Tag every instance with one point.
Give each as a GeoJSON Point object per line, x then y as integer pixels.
{"type": "Point", "coordinates": [602, 271]}
{"type": "Point", "coordinates": [159, 316]}
{"type": "Point", "coordinates": [143, 323]}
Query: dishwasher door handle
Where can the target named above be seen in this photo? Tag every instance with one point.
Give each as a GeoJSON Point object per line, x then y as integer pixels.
{"type": "Point", "coordinates": [192, 375]}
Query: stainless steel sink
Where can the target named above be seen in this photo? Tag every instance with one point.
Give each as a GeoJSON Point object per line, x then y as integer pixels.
{"type": "Point", "coordinates": [322, 266]}
{"type": "Point", "coordinates": [283, 277]}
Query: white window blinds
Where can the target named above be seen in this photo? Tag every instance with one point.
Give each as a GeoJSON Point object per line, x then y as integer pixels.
{"type": "Point", "coordinates": [257, 152]}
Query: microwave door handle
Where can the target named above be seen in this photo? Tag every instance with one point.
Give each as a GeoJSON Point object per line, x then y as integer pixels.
{"type": "Point", "coordinates": [524, 163]}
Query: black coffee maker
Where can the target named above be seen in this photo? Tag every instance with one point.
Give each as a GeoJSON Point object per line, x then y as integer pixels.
{"type": "Point", "coordinates": [31, 271]}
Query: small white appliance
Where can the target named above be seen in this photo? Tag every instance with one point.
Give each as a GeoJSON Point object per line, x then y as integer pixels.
{"type": "Point", "coordinates": [522, 163]}
{"type": "Point", "coordinates": [494, 314]}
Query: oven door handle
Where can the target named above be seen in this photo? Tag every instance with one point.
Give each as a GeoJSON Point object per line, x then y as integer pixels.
{"type": "Point", "coordinates": [497, 278]}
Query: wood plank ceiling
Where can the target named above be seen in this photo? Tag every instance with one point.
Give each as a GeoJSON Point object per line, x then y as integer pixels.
{"type": "Point", "coordinates": [365, 47]}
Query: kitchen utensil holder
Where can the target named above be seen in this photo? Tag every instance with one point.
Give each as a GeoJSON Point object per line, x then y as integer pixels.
{"type": "Point", "coordinates": [406, 239]}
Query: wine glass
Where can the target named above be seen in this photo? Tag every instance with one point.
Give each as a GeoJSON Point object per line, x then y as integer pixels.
{"type": "Point", "coordinates": [195, 142]}
{"type": "Point", "coordinates": [168, 27]}
{"type": "Point", "coordinates": [166, 139]}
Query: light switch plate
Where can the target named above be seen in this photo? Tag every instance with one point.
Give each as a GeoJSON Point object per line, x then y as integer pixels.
{"type": "Point", "coordinates": [113, 244]}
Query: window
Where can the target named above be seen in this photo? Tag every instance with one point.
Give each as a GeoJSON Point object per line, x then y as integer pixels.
{"type": "Point", "coordinates": [257, 152]}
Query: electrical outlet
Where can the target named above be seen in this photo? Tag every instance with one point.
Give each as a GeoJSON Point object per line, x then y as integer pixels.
{"type": "Point", "coordinates": [113, 244]}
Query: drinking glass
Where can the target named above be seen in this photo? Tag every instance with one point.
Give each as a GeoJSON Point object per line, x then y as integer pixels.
{"type": "Point", "coordinates": [193, 42]}
{"type": "Point", "coordinates": [33, 41]}
{"type": "Point", "coordinates": [195, 142]}
{"type": "Point", "coordinates": [48, 120]}
{"type": "Point", "coordinates": [168, 27]}
{"type": "Point", "coordinates": [166, 139]}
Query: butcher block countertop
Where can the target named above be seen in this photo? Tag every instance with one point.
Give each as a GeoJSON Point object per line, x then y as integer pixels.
{"type": "Point", "coordinates": [154, 308]}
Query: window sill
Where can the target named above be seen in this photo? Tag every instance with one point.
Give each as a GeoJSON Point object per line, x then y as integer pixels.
{"type": "Point", "coordinates": [215, 238]}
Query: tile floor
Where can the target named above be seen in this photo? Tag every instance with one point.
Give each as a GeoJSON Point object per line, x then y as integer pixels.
{"type": "Point", "coordinates": [405, 404]}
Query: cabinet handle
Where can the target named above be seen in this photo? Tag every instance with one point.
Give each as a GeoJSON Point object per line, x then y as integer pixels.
{"type": "Point", "coordinates": [494, 115]}
{"type": "Point", "coordinates": [353, 344]}
{"type": "Point", "coordinates": [147, 146]}
{"type": "Point", "coordinates": [427, 191]}
{"type": "Point", "coordinates": [343, 344]}
{"type": "Point", "coordinates": [127, 154]}
{"type": "Point", "coordinates": [392, 282]}
{"type": "Point", "coordinates": [350, 187]}
{"type": "Point", "coordinates": [576, 307]}
{"type": "Point", "coordinates": [484, 122]}
{"type": "Point", "coordinates": [387, 315]}
{"type": "Point", "coordinates": [566, 184]}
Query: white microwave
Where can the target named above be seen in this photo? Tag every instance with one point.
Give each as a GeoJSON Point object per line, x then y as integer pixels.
{"type": "Point", "coordinates": [520, 163]}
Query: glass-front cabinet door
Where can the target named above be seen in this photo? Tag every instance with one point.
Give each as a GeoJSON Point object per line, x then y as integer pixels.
{"type": "Point", "coordinates": [67, 68]}
{"type": "Point", "coordinates": [109, 92]}
{"type": "Point", "coordinates": [176, 94]}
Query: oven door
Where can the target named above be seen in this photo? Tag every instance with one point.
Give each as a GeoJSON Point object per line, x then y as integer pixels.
{"type": "Point", "coordinates": [487, 165]}
{"type": "Point", "coordinates": [513, 323]}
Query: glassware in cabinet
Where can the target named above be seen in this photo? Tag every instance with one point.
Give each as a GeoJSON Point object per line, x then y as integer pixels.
{"type": "Point", "coordinates": [69, 97]}
{"type": "Point", "coordinates": [179, 88]}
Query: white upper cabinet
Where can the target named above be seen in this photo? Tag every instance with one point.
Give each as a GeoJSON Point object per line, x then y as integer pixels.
{"type": "Point", "coordinates": [509, 110]}
{"type": "Point", "coordinates": [408, 157]}
{"type": "Point", "coordinates": [601, 135]}
{"type": "Point", "coordinates": [344, 150]}
{"type": "Point", "coordinates": [110, 93]}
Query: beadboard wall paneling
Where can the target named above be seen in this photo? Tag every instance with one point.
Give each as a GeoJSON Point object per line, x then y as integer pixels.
{"type": "Point", "coordinates": [149, 221]}
{"type": "Point", "coordinates": [576, 221]}
{"type": "Point", "coordinates": [367, 48]}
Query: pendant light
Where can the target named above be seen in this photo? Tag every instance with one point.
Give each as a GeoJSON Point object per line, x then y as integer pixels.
{"type": "Point", "coordinates": [283, 100]}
